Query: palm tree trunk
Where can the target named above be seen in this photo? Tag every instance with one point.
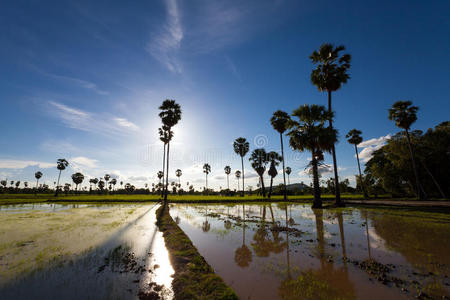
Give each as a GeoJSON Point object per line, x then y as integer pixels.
{"type": "Point", "coordinates": [333, 151]}
{"type": "Point", "coordinates": [270, 189]}
{"type": "Point", "coordinates": [416, 175]}
{"type": "Point", "coordinates": [243, 185]}
{"type": "Point", "coordinates": [317, 201]}
{"type": "Point", "coordinates": [289, 180]}
{"type": "Point", "coordinates": [163, 170]}
{"type": "Point", "coordinates": [434, 180]}
{"type": "Point", "coordinates": [284, 175]}
{"type": "Point", "coordinates": [360, 175]}
{"type": "Point", "coordinates": [228, 182]}
{"type": "Point", "coordinates": [239, 187]}
{"type": "Point", "coordinates": [167, 173]}
{"type": "Point", "coordinates": [57, 185]}
{"type": "Point", "coordinates": [262, 187]}
{"type": "Point", "coordinates": [206, 183]}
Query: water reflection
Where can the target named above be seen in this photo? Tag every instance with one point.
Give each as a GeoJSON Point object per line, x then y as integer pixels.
{"type": "Point", "coordinates": [289, 251]}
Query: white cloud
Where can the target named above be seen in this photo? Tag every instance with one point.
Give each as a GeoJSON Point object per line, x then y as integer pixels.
{"type": "Point", "coordinates": [125, 123]}
{"type": "Point", "coordinates": [83, 162]}
{"type": "Point", "coordinates": [165, 45]}
{"type": "Point", "coordinates": [21, 164]}
{"type": "Point", "coordinates": [371, 145]}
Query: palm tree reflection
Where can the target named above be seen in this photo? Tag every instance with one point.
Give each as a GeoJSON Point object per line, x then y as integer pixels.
{"type": "Point", "coordinates": [243, 255]}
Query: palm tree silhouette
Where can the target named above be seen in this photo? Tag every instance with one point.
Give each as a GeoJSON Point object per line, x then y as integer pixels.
{"type": "Point", "coordinates": [310, 133]}
{"type": "Point", "coordinates": [354, 137]}
{"type": "Point", "coordinates": [93, 181]}
{"type": "Point", "coordinates": [227, 170]}
{"type": "Point", "coordinates": [206, 170]}
{"type": "Point", "coordinates": [241, 147]}
{"type": "Point", "coordinates": [77, 178]}
{"type": "Point", "coordinates": [288, 172]}
{"type": "Point", "coordinates": [178, 173]}
{"type": "Point", "coordinates": [243, 255]}
{"type": "Point", "coordinates": [170, 115]}
{"type": "Point", "coordinates": [274, 159]}
{"type": "Point", "coordinates": [61, 165]}
{"type": "Point", "coordinates": [165, 135]}
{"type": "Point", "coordinates": [404, 115]}
{"type": "Point", "coordinates": [107, 177]}
{"type": "Point", "coordinates": [328, 76]}
{"type": "Point", "coordinates": [37, 175]}
{"type": "Point", "coordinates": [238, 175]}
{"type": "Point", "coordinates": [279, 121]}
{"type": "Point", "coordinates": [114, 182]}
{"type": "Point", "coordinates": [259, 161]}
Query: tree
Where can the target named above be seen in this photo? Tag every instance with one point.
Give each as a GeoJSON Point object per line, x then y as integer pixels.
{"type": "Point", "coordinates": [280, 121]}
{"type": "Point", "coordinates": [259, 161]}
{"type": "Point", "coordinates": [114, 182]}
{"type": "Point", "coordinates": [178, 173]}
{"type": "Point", "coordinates": [38, 176]}
{"type": "Point", "coordinates": [354, 137]}
{"type": "Point", "coordinates": [238, 175]}
{"type": "Point", "coordinates": [288, 172]}
{"type": "Point", "coordinates": [227, 170]}
{"type": "Point", "coordinates": [404, 115]}
{"type": "Point", "coordinates": [101, 184]}
{"type": "Point", "coordinates": [328, 76]}
{"type": "Point", "coordinates": [165, 135]}
{"type": "Point", "coordinates": [93, 181]}
{"type": "Point", "coordinates": [77, 178]}
{"type": "Point", "coordinates": [61, 165]}
{"type": "Point", "coordinates": [274, 158]}
{"type": "Point", "coordinates": [107, 177]}
{"type": "Point", "coordinates": [241, 147]}
{"type": "Point", "coordinates": [170, 115]}
{"type": "Point", "coordinates": [206, 170]}
{"type": "Point", "coordinates": [310, 133]}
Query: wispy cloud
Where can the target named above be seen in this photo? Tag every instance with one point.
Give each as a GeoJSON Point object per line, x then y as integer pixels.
{"type": "Point", "coordinates": [84, 162]}
{"type": "Point", "coordinates": [21, 164]}
{"type": "Point", "coordinates": [369, 146]}
{"type": "Point", "coordinates": [164, 46]}
{"type": "Point", "coordinates": [233, 69]}
{"type": "Point", "coordinates": [91, 122]}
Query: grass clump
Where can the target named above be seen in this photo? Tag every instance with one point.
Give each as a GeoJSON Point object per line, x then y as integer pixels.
{"type": "Point", "coordinates": [194, 278]}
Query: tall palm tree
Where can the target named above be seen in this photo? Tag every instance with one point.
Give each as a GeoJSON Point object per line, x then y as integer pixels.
{"type": "Point", "coordinates": [206, 170]}
{"type": "Point", "coordinates": [259, 161]}
{"type": "Point", "coordinates": [328, 76]}
{"type": "Point", "coordinates": [279, 121]}
{"type": "Point", "coordinates": [77, 178]}
{"type": "Point", "coordinates": [170, 115]}
{"type": "Point", "coordinates": [238, 175]}
{"type": "Point", "coordinates": [107, 177]}
{"type": "Point", "coordinates": [114, 182]}
{"type": "Point", "coordinates": [37, 175]}
{"type": "Point", "coordinates": [227, 170]}
{"type": "Point", "coordinates": [241, 147]}
{"type": "Point", "coordinates": [404, 115]}
{"type": "Point", "coordinates": [288, 172]}
{"type": "Point", "coordinates": [178, 173]}
{"type": "Point", "coordinates": [354, 137]}
{"type": "Point", "coordinates": [274, 159]}
{"type": "Point", "coordinates": [61, 165]}
{"type": "Point", "coordinates": [165, 135]}
{"type": "Point", "coordinates": [310, 133]}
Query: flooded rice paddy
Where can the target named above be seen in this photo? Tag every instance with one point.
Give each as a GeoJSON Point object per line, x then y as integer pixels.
{"type": "Point", "coordinates": [289, 251]}
{"type": "Point", "coordinates": [52, 251]}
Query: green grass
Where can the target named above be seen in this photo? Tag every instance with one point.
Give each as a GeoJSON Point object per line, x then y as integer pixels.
{"type": "Point", "coordinates": [194, 278]}
{"type": "Point", "coordinates": [30, 198]}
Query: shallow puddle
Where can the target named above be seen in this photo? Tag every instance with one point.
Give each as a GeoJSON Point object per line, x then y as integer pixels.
{"type": "Point", "coordinates": [82, 252]}
{"type": "Point", "coordinates": [289, 251]}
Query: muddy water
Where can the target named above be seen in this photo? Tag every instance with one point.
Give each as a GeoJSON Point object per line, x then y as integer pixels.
{"type": "Point", "coordinates": [289, 251]}
{"type": "Point", "coordinates": [119, 259]}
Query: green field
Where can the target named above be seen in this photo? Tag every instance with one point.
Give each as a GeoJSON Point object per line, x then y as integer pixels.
{"type": "Point", "coordinates": [31, 198]}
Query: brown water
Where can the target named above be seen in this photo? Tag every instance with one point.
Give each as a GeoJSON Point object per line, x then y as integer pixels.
{"type": "Point", "coordinates": [289, 251]}
{"type": "Point", "coordinates": [82, 252]}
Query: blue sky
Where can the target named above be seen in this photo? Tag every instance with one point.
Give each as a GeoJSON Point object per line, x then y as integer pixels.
{"type": "Point", "coordinates": [83, 80]}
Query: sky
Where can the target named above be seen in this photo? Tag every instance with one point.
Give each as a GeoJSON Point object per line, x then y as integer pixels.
{"type": "Point", "coordinates": [83, 80]}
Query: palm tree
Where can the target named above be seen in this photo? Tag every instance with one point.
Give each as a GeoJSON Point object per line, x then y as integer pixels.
{"type": "Point", "coordinates": [259, 161]}
{"type": "Point", "coordinates": [107, 177]}
{"type": "Point", "coordinates": [241, 147]}
{"type": "Point", "coordinates": [77, 178]}
{"type": "Point", "coordinates": [37, 175]}
{"type": "Point", "coordinates": [274, 159]}
{"type": "Point", "coordinates": [328, 76]}
{"type": "Point", "coordinates": [310, 133]}
{"type": "Point", "coordinates": [404, 115]}
{"type": "Point", "coordinates": [238, 175]}
{"type": "Point", "coordinates": [170, 115]}
{"type": "Point", "coordinates": [114, 182]}
{"type": "Point", "coordinates": [206, 170]}
{"type": "Point", "coordinates": [165, 135]}
{"type": "Point", "coordinates": [288, 172]}
{"type": "Point", "coordinates": [93, 181]}
{"type": "Point", "coordinates": [178, 173]}
{"type": "Point", "coordinates": [101, 184]}
{"type": "Point", "coordinates": [279, 121]}
{"type": "Point", "coordinates": [227, 170]}
{"type": "Point", "coordinates": [61, 164]}
{"type": "Point", "coordinates": [354, 137]}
